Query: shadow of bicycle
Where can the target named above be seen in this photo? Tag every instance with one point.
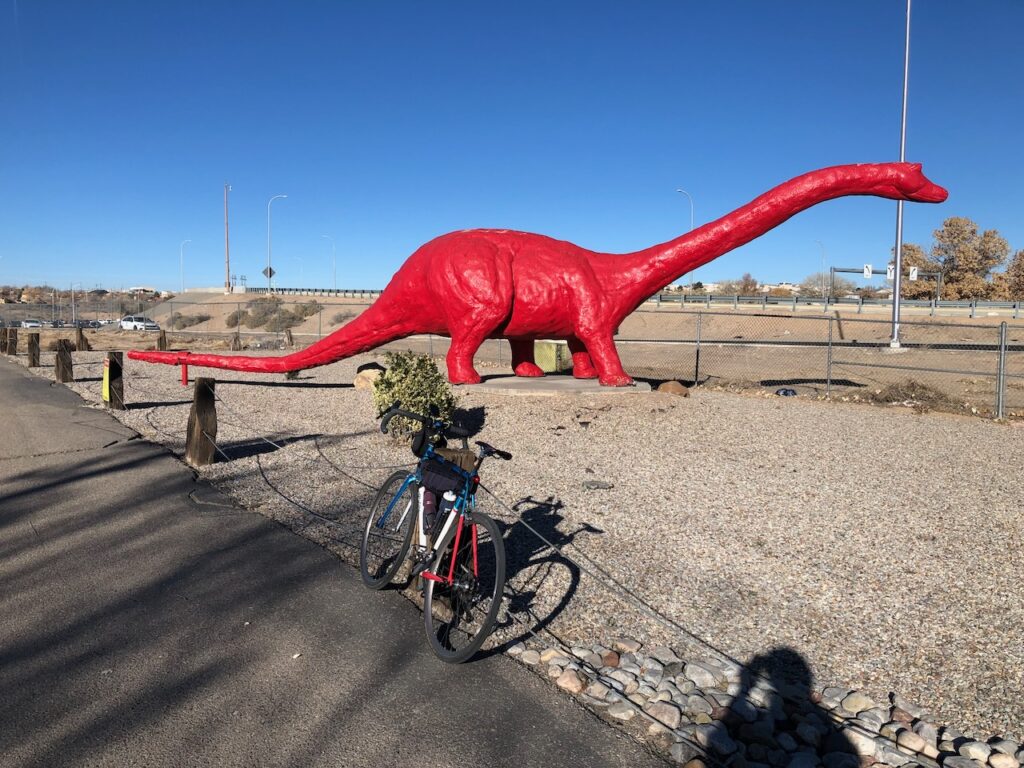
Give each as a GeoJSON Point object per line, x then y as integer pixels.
{"type": "Point", "coordinates": [540, 581]}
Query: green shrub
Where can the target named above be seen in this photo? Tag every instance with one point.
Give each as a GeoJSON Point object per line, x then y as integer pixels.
{"type": "Point", "coordinates": [179, 322]}
{"type": "Point", "coordinates": [239, 316]}
{"type": "Point", "coordinates": [308, 309]}
{"type": "Point", "coordinates": [261, 310]}
{"type": "Point", "coordinates": [342, 317]}
{"type": "Point", "coordinates": [282, 320]}
{"type": "Point", "coordinates": [415, 381]}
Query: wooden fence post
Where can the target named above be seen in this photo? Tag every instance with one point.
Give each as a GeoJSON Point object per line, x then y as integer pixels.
{"type": "Point", "coordinates": [289, 340]}
{"type": "Point", "coordinates": [64, 370]}
{"type": "Point", "coordinates": [200, 449]}
{"type": "Point", "coordinates": [81, 342]}
{"type": "Point", "coordinates": [113, 381]}
{"type": "Point", "coordinates": [236, 343]}
{"type": "Point", "coordinates": [33, 350]}
{"type": "Point", "coordinates": [161, 341]}
{"type": "Point", "coordinates": [12, 341]}
{"type": "Point", "coordinates": [3, 341]}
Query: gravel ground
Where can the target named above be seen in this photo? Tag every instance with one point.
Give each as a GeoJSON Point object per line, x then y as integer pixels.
{"type": "Point", "coordinates": [881, 544]}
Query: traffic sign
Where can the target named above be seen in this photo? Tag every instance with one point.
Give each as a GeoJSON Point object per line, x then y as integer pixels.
{"type": "Point", "coordinates": [913, 273]}
{"type": "Point", "coordinates": [867, 271]}
{"type": "Point", "coordinates": [890, 272]}
{"type": "Point", "coordinates": [269, 272]}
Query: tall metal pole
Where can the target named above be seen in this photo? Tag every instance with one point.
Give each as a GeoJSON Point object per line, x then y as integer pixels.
{"type": "Point", "coordinates": [269, 285]}
{"type": "Point", "coordinates": [181, 262]}
{"type": "Point", "coordinates": [690, 198]}
{"type": "Point", "coordinates": [898, 273]}
{"type": "Point", "coordinates": [334, 264]}
{"type": "Point", "coordinates": [227, 250]}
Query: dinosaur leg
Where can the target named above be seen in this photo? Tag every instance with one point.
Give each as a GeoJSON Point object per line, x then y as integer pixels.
{"type": "Point", "coordinates": [582, 367]}
{"type": "Point", "coordinates": [522, 358]}
{"type": "Point", "coordinates": [605, 358]}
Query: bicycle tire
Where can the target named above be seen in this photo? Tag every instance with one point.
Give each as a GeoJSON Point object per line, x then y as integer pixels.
{"type": "Point", "coordinates": [383, 550]}
{"type": "Point", "coordinates": [458, 620]}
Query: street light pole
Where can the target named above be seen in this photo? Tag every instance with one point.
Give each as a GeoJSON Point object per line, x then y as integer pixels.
{"type": "Point", "coordinates": [181, 262]}
{"type": "Point", "coordinates": [897, 274]}
{"type": "Point", "coordinates": [334, 264]}
{"type": "Point", "coordinates": [269, 284]}
{"type": "Point", "coordinates": [690, 198]}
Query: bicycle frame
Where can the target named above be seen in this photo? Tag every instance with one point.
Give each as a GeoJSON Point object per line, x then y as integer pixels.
{"type": "Point", "coordinates": [461, 511]}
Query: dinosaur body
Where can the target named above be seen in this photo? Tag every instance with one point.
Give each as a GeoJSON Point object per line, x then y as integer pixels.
{"type": "Point", "coordinates": [482, 284]}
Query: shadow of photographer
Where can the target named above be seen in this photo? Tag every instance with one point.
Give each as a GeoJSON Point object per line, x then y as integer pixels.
{"type": "Point", "coordinates": [774, 721]}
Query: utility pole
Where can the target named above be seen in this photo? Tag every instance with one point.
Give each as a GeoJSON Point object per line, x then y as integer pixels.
{"type": "Point", "coordinates": [894, 342]}
{"type": "Point", "coordinates": [227, 250]}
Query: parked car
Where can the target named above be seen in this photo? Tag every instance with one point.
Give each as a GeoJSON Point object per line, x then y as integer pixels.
{"type": "Point", "coordinates": [138, 323]}
{"type": "Point", "coordinates": [31, 323]}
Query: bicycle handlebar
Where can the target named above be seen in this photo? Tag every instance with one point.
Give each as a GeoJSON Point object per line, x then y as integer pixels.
{"type": "Point", "coordinates": [438, 427]}
{"type": "Point", "coordinates": [394, 410]}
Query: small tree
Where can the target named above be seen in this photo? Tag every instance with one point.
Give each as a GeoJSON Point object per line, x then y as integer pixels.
{"type": "Point", "coordinates": [820, 283]}
{"type": "Point", "coordinates": [1015, 278]}
{"type": "Point", "coordinates": [967, 258]}
{"type": "Point", "coordinates": [747, 285]}
{"type": "Point", "coordinates": [915, 256]}
{"type": "Point", "coordinates": [415, 382]}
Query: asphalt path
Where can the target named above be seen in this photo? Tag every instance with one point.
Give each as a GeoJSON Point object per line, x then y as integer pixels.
{"type": "Point", "coordinates": [147, 621]}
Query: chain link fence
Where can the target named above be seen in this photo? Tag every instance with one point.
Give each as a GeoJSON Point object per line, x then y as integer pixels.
{"type": "Point", "coordinates": [966, 366]}
{"type": "Point", "coordinates": [962, 367]}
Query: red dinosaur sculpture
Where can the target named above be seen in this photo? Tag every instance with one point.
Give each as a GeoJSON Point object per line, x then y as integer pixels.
{"type": "Point", "coordinates": [482, 284]}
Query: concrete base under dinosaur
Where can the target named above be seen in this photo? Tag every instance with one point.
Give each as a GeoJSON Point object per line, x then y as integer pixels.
{"type": "Point", "coordinates": [550, 385]}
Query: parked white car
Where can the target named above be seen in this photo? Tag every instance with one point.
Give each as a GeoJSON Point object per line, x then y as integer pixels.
{"type": "Point", "coordinates": [138, 323]}
{"type": "Point", "coordinates": [31, 323]}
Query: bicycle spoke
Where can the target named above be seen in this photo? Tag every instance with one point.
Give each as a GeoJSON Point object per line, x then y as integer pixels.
{"type": "Point", "coordinates": [388, 531]}
{"type": "Point", "coordinates": [459, 617]}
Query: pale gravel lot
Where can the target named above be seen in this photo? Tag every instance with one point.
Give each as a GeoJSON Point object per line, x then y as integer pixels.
{"type": "Point", "coordinates": [883, 545]}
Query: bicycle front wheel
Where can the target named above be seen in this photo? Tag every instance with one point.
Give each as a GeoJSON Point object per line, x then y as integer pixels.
{"type": "Point", "coordinates": [460, 616]}
{"type": "Point", "coordinates": [388, 531]}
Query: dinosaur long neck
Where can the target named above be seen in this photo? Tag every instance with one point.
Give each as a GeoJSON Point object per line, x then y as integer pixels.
{"type": "Point", "coordinates": [637, 276]}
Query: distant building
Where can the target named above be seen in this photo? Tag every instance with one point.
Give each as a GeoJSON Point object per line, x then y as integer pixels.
{"type": "Point", "coordinates": [783, 286]}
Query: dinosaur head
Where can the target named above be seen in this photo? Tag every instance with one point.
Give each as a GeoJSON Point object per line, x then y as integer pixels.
{"type": "Point", "coordinates": [904, 181]}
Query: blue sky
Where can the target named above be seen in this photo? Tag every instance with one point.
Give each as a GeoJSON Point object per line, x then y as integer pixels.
{"type": "Point", "coordinates": [387, 124]}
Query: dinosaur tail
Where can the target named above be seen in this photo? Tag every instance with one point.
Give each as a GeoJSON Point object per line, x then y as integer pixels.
{"type": "Point", "coordinates": [379, 324]}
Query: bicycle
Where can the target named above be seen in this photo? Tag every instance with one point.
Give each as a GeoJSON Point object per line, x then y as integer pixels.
{"type": "Point", "coordinates": [459, 556]}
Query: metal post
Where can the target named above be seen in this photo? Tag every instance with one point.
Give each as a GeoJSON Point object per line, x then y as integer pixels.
{"type": "Point", "coordinates": [794, 303]}
{"type": "Point", "coordinates": [498, 342]}
{"type": "Point", "coordinates": [828, 366]}
{"type": "Point", "coordinates": [898, 274]}
{"type": "Point", "coordinates": [1001, 372]}
{"type": "Point", "coordinates": [696, 356]}
{"type": "Point", "coordinates": [320, 323]}
{"type": "Point", "coordinates": [430, 344]}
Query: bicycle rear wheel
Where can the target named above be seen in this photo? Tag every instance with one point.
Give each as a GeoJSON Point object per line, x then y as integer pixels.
{"type": "Point", "coordinates": [458, 618]}
{"type": "Point", "coordinates": [388, 531]}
